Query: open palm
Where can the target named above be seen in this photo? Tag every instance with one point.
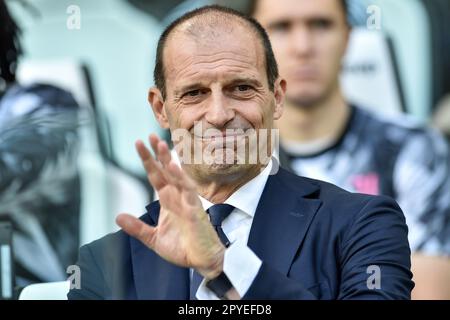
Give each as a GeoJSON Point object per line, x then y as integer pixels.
{"type": "Point", "coordinates": [184, 235]}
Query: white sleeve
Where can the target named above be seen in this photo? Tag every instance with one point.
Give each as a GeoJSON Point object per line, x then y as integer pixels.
{"type": "Point", "coordinates": [241, 265]}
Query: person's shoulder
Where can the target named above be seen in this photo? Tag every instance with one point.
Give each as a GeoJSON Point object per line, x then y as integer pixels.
{"type": "Point", "coordinates": [111, 247]}
{"type": "Point", "coordinates": [323, 188]}
{"type": "Point", "coordinates": [402, 133]}
{"type": "Point", "coordinates": [335, 200]}
{"type": "Point", "coordinates": [393, 126]}
{"type": "Point", "coordinates": [112, 240]}
{"type": "Point", "coordinates": [106, 267]}
{"type": "Point", "coordinates": [107, 252]}
{"type": "Point", "coordinates": [339, 197]}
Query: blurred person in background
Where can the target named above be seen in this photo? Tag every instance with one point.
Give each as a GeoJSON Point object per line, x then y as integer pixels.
{"type": "Point", "coordinates": [324, 137]}
{"type": "Point", "coordinates": [39, 182]}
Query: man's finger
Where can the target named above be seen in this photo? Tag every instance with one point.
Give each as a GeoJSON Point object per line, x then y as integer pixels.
{"type": "Point", "coordinates": [166, 160]}
{"type": "Point", "coordinates": [161, 150]}
{"type": "Point", "coordinates": [154, 140]}
{"type": "Point", "coordinates": [151, 166]}
{"type": "Point", "coordinates": [174, 175]}
{"type": "Point", "coordinates": [185, 183]}
{"type": "Point", "coordinates": [183, 180]}
{"type": "Point", "coordinates": [137, 229]}
{"type": "Point", "coordinates": [164, 153]}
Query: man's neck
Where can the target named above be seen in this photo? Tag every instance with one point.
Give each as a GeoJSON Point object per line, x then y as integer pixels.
{"type": "Point", "coordinates": [326, 120]}
{"type": "Point", "coordinates": [217, 191]}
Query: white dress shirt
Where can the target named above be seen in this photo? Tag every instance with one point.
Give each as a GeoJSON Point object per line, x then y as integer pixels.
{"type": "Point", "coordinates": [241, 265]}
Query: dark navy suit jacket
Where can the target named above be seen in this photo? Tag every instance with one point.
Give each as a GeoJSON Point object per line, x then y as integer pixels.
{"type": "Point", "coordinates": [316, 241]}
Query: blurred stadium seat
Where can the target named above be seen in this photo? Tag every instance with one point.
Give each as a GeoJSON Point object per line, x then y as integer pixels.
{"type": "Point", "coordinates": [46, 291]}
{"type": "Point", "coordinates": [66, 74]}
{"type": "Point", "coordinates": [117, 43]}
{"type": "Point", "coordinates": [439, 11]}
{"type": "Point", "coordinates": [106, 190]}
{"type": "Point", "coordinates": [370, 72]}
{"type": "Point", "coordinates": [407, 23]}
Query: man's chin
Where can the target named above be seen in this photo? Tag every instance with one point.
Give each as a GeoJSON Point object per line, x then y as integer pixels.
{"type": "Point", "coordinates": [222, 171]}
{"type": "Point", "coordinates": [223, 168]}
{"type": "Point", "coordinates": [310, 96]}
{"type": "Point", "coordinates": [228, 168]}
{"type": "Point", "coordinates": [305, 101]}
{"type": "Point", "coordinates": [307, 97]}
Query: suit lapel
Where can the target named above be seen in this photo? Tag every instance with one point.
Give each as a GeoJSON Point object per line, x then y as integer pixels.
{"type": "Point", "coordinates": [282, 218]}
{"type": "Point", "coordinates": [155, 278]}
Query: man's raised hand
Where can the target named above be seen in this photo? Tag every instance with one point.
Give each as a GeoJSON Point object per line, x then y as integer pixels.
{"type": "Point", "coordinates": [184, 236]}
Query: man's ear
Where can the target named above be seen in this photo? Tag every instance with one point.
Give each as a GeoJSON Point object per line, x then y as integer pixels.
{"type": "Point", "coordinates": [157, 102]}
{"type": "Point", "coordinates": [280, 93]}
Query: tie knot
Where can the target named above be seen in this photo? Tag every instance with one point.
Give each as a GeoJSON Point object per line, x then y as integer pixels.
{"type": "Point", "coordinates": [219, 212]}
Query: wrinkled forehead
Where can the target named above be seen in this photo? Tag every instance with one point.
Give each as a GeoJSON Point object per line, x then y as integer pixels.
{"type": "Point", "coordinates": [204, 49]}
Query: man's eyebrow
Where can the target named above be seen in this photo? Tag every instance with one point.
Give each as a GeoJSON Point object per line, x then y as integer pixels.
{"type": "Point", "coordinates": [198, 85]}
{"type": "Point", "coordinates": [246, 80]}
{"type": "Point", "coordinates": [278, 22]}
{"type": "Point", "coordinates": [188, 87]}
{"type": "Point", "coordinates": [286, 21]}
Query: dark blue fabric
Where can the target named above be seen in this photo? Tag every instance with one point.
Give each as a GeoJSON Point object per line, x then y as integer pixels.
{"type": "Point", "coordinates": [316, 241]}
{"type": "Point", "coordinates": [217, 214]}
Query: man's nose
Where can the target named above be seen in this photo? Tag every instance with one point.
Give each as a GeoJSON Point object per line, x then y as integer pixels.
{"type": "Point", "coordinates": [302, 41]}
{"type": "Point", "coordinates": [218, 113]}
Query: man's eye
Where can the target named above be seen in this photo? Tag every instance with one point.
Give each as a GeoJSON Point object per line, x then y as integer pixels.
{"type": "Point", "coordinates": [321, 24]}
{"type": "Point", "coordinates": [282, 26]}
{"type": "Point", "coordinates": [243, 87]}
{"type": "Point", "coordinates": [193, 93]}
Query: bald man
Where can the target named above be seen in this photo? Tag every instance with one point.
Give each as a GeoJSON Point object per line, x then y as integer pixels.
{"type": "Point", "coordinates": [231, 224]}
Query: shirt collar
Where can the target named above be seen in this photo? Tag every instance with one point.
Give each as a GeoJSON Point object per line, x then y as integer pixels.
{"type": "Point", "coordinates": [246, 198]}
